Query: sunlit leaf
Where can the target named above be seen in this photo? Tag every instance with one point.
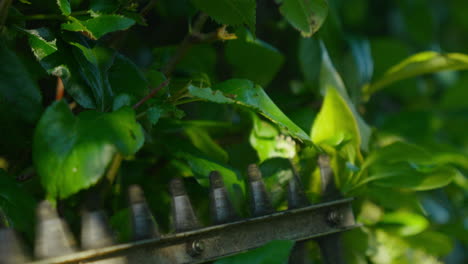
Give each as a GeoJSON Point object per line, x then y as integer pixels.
{"type": "Point", "coordinates": [247, 94]}
{"type": "Point", "coordinates": [419, 64]}
{"type": "Point", "coordinates": [97, 27]}
{"type": "Point", "coordinates": [330, 79]}
{"type": "Point", "coordinates": [72, 152]}
{"type": "Point", "coordinates": [405, 223]}
{"type": "Point", "coordinates": [64, 6]}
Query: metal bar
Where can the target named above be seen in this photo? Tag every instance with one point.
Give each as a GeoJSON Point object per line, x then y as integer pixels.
{"type": "Point", "coordinates": [219, 241]}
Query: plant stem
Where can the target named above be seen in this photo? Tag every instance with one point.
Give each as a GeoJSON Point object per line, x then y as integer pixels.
{"type": "Point", "coordinates": [186, 44]}
{"type": "Point", "coordinates": [151, 94]}
{"type": "Point", "coordinates": [148, 7]}
{"type": "Point", "coordinates": [114, 167]}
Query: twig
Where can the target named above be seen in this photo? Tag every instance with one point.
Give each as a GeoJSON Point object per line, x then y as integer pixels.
{"type": "Point", "coordinates": [186, 44]}
{"type": "Point", "coordinates": [148, 7]}
{"type": "Point", "coordinates": [114, 167]}
{"type": "Point", "coordinates": [59, 89]}
{"type": "Point", "coordinates": [151, 94]}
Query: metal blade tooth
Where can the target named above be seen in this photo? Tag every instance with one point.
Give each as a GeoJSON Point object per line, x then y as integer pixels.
{"type": "Point", "coordinates": [297, 199]}
{"type": "Point", "coordinates": [182, 211]}
{"type": "Point", "coordinates": [11, 247]}
{"type": "Point", "coordinates": [296, 195]}
{"type": "Point", "coordinates": [221, 207]}
{"type": "Point", "coordinates": [143, 224]}
{"type": "Point", "coordinates": [260, 202]}
{"type": "Point", "coordinates": [328, 187]}
{"type": "Point", "coordinates": [53, 237]}
{"type": "Point", "coordinates": [95, 233]}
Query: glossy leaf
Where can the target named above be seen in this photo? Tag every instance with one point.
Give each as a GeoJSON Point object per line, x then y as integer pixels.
{"type": "Point", "coordinates": [72, 152]}
{"type": "Point", "coordinates": [305, 16]}
{"type": "Point", "coordinates": [253, 59]}
{"type": "Point", "coordinates": [331, 80]}
{"type": "Point", "coordinates": [419, 64]}
{"type": "Point", "coordinates": [251, 96]}
{"type": "Point", "coordinates": [275, 252]}
{"type": "Point", "coordinates": [335, 125]}
{"type": "Point", "coordinates": [97, 27]}
{"type": "Point", "coordinates": [230, 12]}
{"type": "Point", "coordinates": [64, 6]}
{"type": "Point", "coordinates": [92, 66]}
{"type": "Point", "coordinates": [42, 42]}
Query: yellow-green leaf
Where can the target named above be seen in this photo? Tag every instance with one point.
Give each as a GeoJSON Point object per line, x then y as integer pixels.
{"type": "Point", "coordinates": [419, 64]}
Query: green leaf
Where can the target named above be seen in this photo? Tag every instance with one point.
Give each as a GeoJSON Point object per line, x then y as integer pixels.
{"type": "Point", "coordinates": [331, 80]}
{"type": "Point", "coordinates": [251, 96]}
{"type": "Point", "coordinates": [64, 6]}
{"type": "Point", "coordinates": [305, 16]}
{"type": "Point", "coordinates": [18, 205]}
{"type": "Point", "coordinates": [202, 140]}
{"type": "Point", "coordinates": [253, 59]}
{"type": "Point", "coordinates": [72, 153]}
{"type": "Point", "coordinates": [267, 141]}
{"type": "Point", "coordinates": [406, 176]}
{"type": "Point", "coordinates": [335, 124]}
{"type": "Point", "coordinates": [126, 77]}
{"type": "Point", "coordinates": [406, 166]}
{"type": "Point", "coordinates": [405, 223]}
{"type": "Point", "coordinates": [19, 94]}
{"type": "Point", "coordinates": [230, 12]}
{"type": "Point", "coordinates": [93, 64]}
{"type": "Point", "coordinates": [97, 27]}
{"type": "Point", "coordinates": [42, 42]}
{"type": "Point", "coordinates": [419, 64]}
{"type": "Point", "coordinates": [275, 252]}
{"type": "Point", "coordinates": [432, 242]}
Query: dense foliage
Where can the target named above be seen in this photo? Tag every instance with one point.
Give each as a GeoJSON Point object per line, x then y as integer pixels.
{"type": "Point", "coordinates": [96, 95]}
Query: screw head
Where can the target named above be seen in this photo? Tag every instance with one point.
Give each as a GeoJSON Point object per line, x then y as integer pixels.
{"type": "Point", "coordinates": [195, 248]}
{"type": "Point", "coordinates": [335, 218]}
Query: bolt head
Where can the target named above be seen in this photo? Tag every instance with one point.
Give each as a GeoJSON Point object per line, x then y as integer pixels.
{"type": "Point", "coordinates": [335, 218]}
{"type": "Point", "coordinates": [196, 247]}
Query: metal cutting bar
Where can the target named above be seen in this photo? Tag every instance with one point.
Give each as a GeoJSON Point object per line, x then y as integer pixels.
{"type": "Point", "coordinates": [214, 242]}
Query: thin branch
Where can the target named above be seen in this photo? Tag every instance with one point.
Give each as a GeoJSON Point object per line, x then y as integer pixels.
{"type": "Point", "coordinates": [59, 90]}
{"type": "Point", "coordinates": [186, 44]}
{"type": "Point", "coordinates": [151, 4]}
{"type": "Point", "coordinates": [114, 167]}
{"type": "Point", "coordinates": [151, 94]}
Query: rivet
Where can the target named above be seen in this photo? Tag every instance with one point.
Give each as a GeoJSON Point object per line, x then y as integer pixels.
{"type": "Point", "coordinates": [196, 248]}
{"type": "Point", "coordinates": [334, 218]}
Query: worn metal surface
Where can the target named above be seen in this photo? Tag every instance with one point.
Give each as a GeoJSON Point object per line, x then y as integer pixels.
{"type": "Point", "coordinates": [214, 242]}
